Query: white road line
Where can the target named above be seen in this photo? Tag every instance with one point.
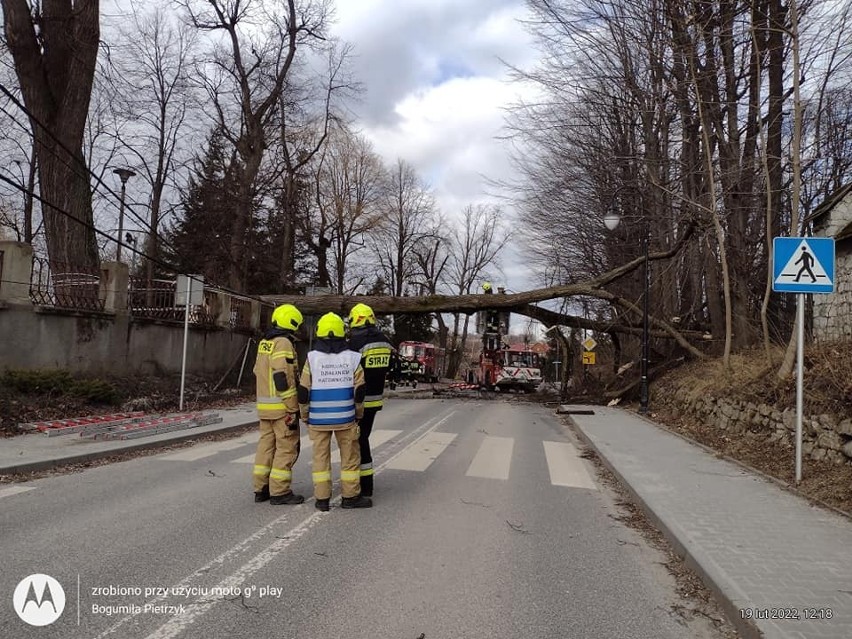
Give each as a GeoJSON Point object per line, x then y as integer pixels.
{"type": "Point", "coordinates": [304, 442]}
{"type": "Point", "coordinates": [420, 455]}
{"type": "Point", "coordinates": [381, 436]}
{"type": "Point", "coordinates": [180, 623]}
{"type": "Point", "coordinates": [377, 438]}
{"type": "Point", "coordinates": [15, 490]}
{"type": "Point", "coordinates": [566, 466]}
{"type": "Point", "coordinates": [195, 453]}
{"type": "Point", "coordinates": [493, 459]}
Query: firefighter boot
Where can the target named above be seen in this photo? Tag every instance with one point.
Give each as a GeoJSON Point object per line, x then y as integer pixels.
{"type": "Point", "coordinates": [287, 498]}
{"type": "Point", "coordinates": [367, 486]}
{"type": "Point", "coordinates": [263, 495]}
{"type": "Point", "coordinates": [322, 504]}
{"type": "Point", "coordinates": [356, 502]}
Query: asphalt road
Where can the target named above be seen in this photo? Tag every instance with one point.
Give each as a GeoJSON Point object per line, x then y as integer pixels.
{"type": "Point", "coordinates": [487, 524]}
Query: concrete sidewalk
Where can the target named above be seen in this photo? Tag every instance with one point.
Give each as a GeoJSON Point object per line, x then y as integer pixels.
{"type": "Point", "coordinates": [762, 550]}
{"type": "Point", "coordinates": [36, 452]}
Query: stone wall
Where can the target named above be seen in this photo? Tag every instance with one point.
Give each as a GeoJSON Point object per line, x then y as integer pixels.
{"type": "Point", "coordinates": [823, 436]}
{"type": "Point", "coordinates": [832, 312]}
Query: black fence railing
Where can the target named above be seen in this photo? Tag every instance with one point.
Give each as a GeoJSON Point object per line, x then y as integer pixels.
{"type": "Point", "coordinates": [59, 285]}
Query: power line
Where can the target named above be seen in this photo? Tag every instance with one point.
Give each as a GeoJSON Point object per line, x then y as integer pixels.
{"type": "Point", "coordinates": [129, 247]}
{"type": "Point", "coordinates": [77, 161]}
{"type": "Point", "coordinates": [71, 154]}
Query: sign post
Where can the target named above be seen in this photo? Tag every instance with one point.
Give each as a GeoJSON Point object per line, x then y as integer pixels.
{"type": "Point", "coordinates": [802, 265]}
{"type": "Point", "coordinates": [185, 295]}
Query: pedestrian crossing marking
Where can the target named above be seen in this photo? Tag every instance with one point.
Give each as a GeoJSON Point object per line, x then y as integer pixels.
{"type": "Point", "coordinates": [15, 490]}
{"type": "Point", "coordinates": [493, 459]}
{"type": "Point", "coordinates": [803, 265]}
{"type": "Point", "coordinates": [420, 456]}
{"type": "Point", "coordinates": [566, 466]}
{"type": "Point", "coordinates": [377, 438]}
{"type": "Point", "coordinates": [195, 453]}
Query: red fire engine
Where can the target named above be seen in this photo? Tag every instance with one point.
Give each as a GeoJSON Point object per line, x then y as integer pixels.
{"type": "Point", "coordinates": [502, 367]}
{"type": "Point", "coordinates": [431, 359]}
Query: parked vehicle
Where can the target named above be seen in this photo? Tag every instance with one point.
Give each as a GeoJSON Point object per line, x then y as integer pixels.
{"type": "Point", "coordinates": [431, 360]}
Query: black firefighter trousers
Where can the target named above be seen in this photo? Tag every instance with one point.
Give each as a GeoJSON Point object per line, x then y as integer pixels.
{"type": "Point", "coordinates": [366, 427]}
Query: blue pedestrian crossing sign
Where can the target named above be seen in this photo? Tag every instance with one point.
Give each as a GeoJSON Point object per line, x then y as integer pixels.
{"type": "Point", "coordinates": [803, 264]}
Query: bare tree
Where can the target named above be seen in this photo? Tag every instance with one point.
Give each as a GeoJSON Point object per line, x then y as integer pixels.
{"type": "Point", "coordinates": [307, 113]}
{"type": "Point", "coordinates": [54, 44]}
{"type": "Point", "coordinates": [408, 212]}
{"type": "Point", "coordinates": [474, 249]}
{"type": "Point", "coordinates": [153, 82]}
{"type": "Point", "coordinates": [350, 185]}
{"type": "Point", "coordinates": [252, 70]}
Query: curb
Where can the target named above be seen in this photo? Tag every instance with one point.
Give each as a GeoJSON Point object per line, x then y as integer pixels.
{"type": "Point", "coordinates": [47, 464]}
{"type": "Point", "coordinates": [746, 627]}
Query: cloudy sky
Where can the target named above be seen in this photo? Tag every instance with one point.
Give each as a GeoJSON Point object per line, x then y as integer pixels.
{"type": "Point", "coordinates": [436, 90]}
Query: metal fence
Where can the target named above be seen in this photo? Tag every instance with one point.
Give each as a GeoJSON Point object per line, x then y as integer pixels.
{"type": "Point", "coordinates": [157, 302]}
{"type": "Point", "coordinates": [58, 285]}
{"type": "Point", "coordinates": [61, 285]}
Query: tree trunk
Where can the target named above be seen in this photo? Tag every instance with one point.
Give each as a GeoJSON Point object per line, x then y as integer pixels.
{"type": "Point", "coordinates": [63, 184]}
{"type": "Point", "coordinates": [243, 211]}
{"type": "Point", "coordinates": [56, 71]}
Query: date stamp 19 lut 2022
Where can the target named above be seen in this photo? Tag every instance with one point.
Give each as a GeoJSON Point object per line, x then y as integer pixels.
{"type": "Point", "coordinates": [792, 614]}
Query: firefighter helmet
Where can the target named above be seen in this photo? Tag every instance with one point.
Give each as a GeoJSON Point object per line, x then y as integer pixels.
{"type": "Point", "coordinates": [360, 315]}
{"type": "Point", "coordinates": [287, 316]}
{"type": "Point", "coordinates": [330, 325]}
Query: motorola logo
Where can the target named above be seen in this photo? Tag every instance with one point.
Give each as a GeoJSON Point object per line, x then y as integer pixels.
{"type": "Point", "coordinates": [39, 600]}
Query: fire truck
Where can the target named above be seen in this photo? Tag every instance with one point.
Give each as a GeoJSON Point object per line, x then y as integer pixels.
{"type": "Point", "coordinates": [502, 367]}
{"type": "Point", "coordinates": [429, 359]}
{"type": "Point", "coordinates": [520, 370]}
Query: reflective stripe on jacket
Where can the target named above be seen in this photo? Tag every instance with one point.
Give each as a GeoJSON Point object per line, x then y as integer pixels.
{"type": "Point", "coordinates": [275, 355]}
{"type": "Point", "coordinates": [376, 353]}
{"type": "Point", "coordinates": [332, 379]}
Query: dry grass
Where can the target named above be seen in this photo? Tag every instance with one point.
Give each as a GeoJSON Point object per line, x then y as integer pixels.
{"type": "Point", "coordinates": [827, 379]}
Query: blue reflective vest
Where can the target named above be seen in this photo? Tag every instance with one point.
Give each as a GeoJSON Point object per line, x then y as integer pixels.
{"type": "Point", "coordinates": [332, 398]}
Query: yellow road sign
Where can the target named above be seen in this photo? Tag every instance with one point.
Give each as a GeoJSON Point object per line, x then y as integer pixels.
{"type": "Point", "coordinates": [589, 343]}
{"type": "Point", "coordinates": [588, 357]}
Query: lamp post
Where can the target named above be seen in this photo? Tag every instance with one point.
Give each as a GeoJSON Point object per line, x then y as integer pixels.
{"type": "Point", "coordinates": [124, 175]}
{"type": "Point", "coordinates": [129, 238]}
{"type": "Point", "coordinates": [611, 221]}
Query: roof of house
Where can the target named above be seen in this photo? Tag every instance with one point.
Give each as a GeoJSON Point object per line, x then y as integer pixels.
{"type": "Point", "coordinates": [829, 203]}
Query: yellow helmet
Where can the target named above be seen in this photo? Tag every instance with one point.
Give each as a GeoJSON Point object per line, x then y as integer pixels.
{"type": "Point", "coordinates": [287, 316]}
{"type": "Point", "coordinates": [330, 325]}
{"type": "Point", "coordinates": [361, 314]}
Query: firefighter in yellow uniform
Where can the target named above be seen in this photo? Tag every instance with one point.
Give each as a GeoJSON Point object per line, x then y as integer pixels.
{"type": "Point", "coordinates": [277, 407]}
{"type": "Point", "coordinates": [331, 399]}
{"type": "Point", "coordinates": [366, 338]}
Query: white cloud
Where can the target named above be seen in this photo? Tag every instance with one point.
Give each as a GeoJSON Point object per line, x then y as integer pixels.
{"type": "Point", "coordinates": [437, 89]}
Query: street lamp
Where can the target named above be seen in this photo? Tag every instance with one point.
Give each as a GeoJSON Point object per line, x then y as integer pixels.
{"type": "Point", "coordinates": [124, 175]}
{"type": "Point", "coordinates": [611, 221]}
